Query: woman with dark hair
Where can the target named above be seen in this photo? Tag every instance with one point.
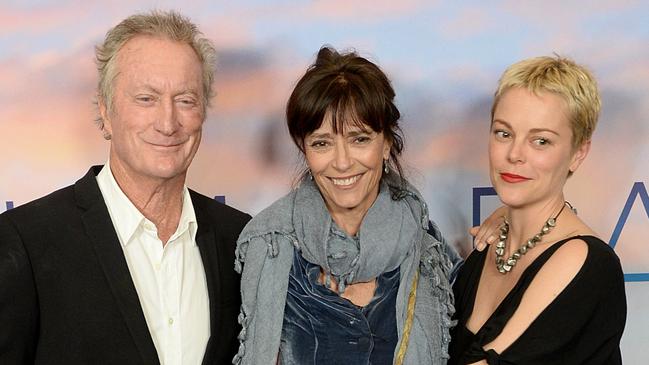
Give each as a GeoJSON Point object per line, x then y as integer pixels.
{"type": "Point", "coordinates": [346, 268]}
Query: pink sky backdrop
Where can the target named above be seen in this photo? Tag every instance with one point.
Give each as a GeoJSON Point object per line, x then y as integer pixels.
{"type": "Point", "coordinates": [47, 79]}
{"type": "Point", "coordinates": [444, 60]}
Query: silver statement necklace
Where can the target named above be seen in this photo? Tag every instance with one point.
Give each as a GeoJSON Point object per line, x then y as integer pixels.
{"type": "Point", "coordinates": [505, 266]}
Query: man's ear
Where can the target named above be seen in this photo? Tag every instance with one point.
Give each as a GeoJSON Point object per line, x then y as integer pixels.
{"type": "Point", "coordinates": [104, 114]}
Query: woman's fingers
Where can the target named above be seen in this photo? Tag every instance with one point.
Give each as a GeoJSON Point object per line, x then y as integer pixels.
{"type": "Point", "coordinates": [488, 231]}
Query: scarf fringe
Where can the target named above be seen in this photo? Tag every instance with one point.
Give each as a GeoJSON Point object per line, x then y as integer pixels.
{"type": "Point", "coordinates": [399, 193]}
{"type": "Point", "coordinates": [243, 321]}
{"type": "Point", "coordinates": [436, 265]}
{"type": "Point", "coordinates": [272, 247]}
{"type": "Point", "coordinates": [241, 252]}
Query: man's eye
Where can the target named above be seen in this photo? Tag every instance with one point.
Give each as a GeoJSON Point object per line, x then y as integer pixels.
{"type": "Point", "coordinates": [187, 101]}
{"type": "Point", "coordinates": [144, 98]}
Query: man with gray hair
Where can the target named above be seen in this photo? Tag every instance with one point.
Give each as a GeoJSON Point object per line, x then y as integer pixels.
{"type": "Point", "coordinates": [129, 266]}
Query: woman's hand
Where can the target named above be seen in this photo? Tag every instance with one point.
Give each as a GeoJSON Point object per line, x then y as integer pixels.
{"type": "Point", "coordinates": [488, 231]}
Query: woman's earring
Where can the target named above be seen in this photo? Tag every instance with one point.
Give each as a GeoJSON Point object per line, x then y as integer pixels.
{"type": "Point", "coordinates": [385, 167]}
{"type": "Point", "coordinates": [574, 210]}
{"type": "Point", "coordinates": [310, 175]}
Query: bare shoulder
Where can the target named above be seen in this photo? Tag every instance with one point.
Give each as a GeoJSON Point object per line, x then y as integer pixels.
{"type": "Point", "coordinates": [570, 257]}
{"type": "Point", "coordinates": [571, 253]}
{"type": "Point", "coordinates": [564, 264]}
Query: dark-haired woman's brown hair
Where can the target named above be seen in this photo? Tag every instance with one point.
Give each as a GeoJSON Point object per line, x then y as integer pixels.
{"type": "Point", "coordinates": [353, 90]}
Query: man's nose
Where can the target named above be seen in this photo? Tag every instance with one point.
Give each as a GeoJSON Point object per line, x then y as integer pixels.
{"type": "Point", "coordinates": [167, 122]}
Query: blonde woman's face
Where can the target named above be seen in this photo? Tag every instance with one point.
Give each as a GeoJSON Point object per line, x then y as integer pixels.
{"type": "Point", "coordinates": [530, 147]}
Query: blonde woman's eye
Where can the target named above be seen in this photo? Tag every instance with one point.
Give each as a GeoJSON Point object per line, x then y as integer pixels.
{"type": "Point", "coordinates": [542, 141]}
{"type": "Point", "coordinates": [501, 133]}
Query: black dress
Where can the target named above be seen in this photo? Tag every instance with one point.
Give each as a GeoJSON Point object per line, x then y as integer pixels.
{"type": "Point", "coordinates": [582, 325]}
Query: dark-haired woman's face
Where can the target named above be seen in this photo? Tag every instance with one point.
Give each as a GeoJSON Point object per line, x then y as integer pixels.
{"type": "Point", "coordinates": [347, 167]}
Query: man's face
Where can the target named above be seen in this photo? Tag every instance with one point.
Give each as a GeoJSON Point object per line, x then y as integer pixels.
{"type": "Point", "coordinates": [157, 115]}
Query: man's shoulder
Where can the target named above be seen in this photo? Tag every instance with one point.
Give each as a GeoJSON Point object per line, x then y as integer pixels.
{"type": "Point", "coordinates": [208, 208]}
{"type": "Point", "coordinates": [50, 205]}
{"type": "Point", "coordinates": [58, 205]}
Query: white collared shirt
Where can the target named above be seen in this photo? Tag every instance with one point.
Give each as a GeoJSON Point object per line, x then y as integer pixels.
{"type": "Point", "coordinates": [170, 280]}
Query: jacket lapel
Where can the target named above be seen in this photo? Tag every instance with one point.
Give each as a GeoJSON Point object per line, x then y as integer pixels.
{"type": "Point", "coordinates": [206, 241]}
{"type": "Point", "coordinates": [103, 237]}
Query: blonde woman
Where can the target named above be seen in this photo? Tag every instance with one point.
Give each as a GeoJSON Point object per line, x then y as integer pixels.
{"type": "Point", "coordinates": [548, 291]}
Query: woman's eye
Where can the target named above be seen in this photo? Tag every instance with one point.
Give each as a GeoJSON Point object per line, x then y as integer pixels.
{"type": "Point", "coordinates": [362, 139]}
{"type": "Point", "coordinates": [541, 141]}
{"type": "Point", "coordinates": [318, 144]}
{"type": "Point", "coordinates": [501, 134]}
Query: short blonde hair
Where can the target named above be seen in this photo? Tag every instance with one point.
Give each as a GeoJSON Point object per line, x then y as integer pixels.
{"type": "Point", "coordinates": [166, 24]}
{"type": "Point", "coordinates": [562, 76]}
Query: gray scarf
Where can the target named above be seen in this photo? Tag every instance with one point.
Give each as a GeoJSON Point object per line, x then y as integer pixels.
{"type": "Point", "coordinates": [391, 235]}
{"type": "Point", "coordinates": [379, 246]}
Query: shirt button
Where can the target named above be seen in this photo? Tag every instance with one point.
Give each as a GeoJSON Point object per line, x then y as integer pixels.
{"type": "Point", "coordinates": [171, 321]}
{"type": "Point", "coordinates": [156, 267]}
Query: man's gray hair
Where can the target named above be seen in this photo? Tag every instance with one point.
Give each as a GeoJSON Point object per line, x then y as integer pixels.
{"type": "Point", "coordinates": [166, 24]}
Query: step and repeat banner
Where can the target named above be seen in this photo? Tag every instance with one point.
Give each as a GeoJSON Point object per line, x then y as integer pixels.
{"type": "Point", "coordinates": [444, 59]}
